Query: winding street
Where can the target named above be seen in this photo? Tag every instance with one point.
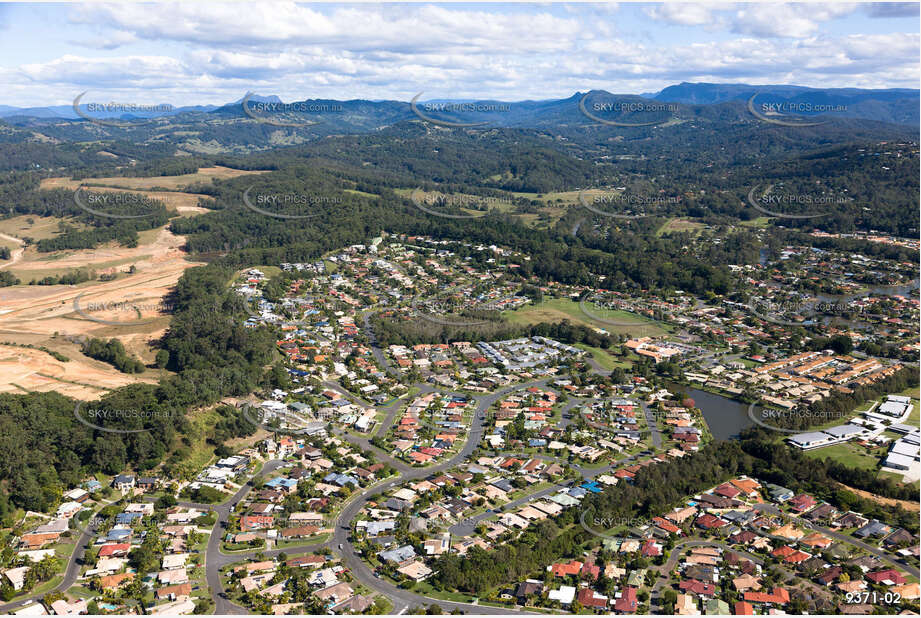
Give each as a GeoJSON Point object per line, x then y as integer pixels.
{"type": "Point", "coordinates": [401, 599]}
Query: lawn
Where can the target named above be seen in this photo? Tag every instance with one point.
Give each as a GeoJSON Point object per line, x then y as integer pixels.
{"type": "Point", "coordinates": [848, 454]}
{"type": "Point", "coordinates": [604, 359]}
{"type": "Point", "coordinates": [558, 309]}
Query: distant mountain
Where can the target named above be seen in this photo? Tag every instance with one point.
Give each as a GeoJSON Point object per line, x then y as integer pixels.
{"type": "Point", "coordinates": [893, 105]}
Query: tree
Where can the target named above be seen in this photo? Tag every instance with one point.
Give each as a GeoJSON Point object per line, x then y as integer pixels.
{"type": "Point", "coordinates": [162, 359]}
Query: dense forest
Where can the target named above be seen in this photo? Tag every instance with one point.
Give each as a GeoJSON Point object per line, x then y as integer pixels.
{"type": "Point", "coordinates": [112, 352]}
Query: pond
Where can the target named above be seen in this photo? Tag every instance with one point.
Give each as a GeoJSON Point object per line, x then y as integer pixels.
{"type": "Point", "coordinates": [725, 417]}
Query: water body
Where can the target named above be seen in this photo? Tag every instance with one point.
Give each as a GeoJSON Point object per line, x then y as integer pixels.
{"type": "Point", "coordinates": [725, 417]}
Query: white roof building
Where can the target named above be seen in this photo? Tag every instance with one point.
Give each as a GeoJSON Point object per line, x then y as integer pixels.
{"type": "Point", "coordinates": [564, 595]}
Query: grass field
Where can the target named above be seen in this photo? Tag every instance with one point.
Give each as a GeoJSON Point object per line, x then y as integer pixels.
{"type": "Point", "coordinates": [607, 361]}
{"type": "Point", "coordinates": [759, 222]}
{"type": "Point", "coordinates": [205, 175]}
{"type": "Point", "coordinates": [40, 228]}
{"type": "Point", "coordinates": [680, 225]}
{"type": "Point", "coordinates": [557, 309]}
{"type": "Point", "coordinates": [848, 454]}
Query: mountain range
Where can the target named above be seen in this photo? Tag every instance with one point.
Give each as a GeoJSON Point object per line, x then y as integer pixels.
{"type": "Point", "coordinates": [893, 106]}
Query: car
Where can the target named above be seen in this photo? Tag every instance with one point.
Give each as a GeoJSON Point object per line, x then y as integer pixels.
{"type": "Point", "coordinates": [340, 545]}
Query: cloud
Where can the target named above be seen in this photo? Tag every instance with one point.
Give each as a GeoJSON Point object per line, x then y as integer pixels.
{"type": "Point", "coordinates": [192, 54]}
{"type": "Point", "coordinates": [787, 20]}
{"type": "Point", "coordinates": [892, 9]}
{"type": "Point", "coordinates": [690, 14]}
{"type": "Point", "coordinates": [411, 29]}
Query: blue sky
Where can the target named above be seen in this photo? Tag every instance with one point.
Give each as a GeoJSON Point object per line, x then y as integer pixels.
{"type": "Point", "coordinates": [208, 52]}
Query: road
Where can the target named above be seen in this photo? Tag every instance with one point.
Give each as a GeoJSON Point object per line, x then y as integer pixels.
{"type": "Point", "coordinates": [402, 599]}
{"type": "Point", "coordinates": [15, 254]}
{"type": "Point", "coordinates": [876, 551]}
{"type": "Point", "coordinates": [71, 573]}
{"type": "Point", "coordinates": [673, 557]}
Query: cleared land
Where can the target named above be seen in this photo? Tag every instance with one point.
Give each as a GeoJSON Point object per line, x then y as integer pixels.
{"type": "Point", "coordinates": [164, 183]}
{"type": "Point", "coordinates": [167, 189]}
{"type": "Point", "coordinates": [51, 316]}
{"type": "Point", "coordinates": [680, 225]}
{"type": "Point", "coordinates": [557, 309]}
{"type": "Point", "coordinates": [23, 370]}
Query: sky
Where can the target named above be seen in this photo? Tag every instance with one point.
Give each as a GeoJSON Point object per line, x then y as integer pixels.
{"type": "Point", "coordinates": [213, 53]}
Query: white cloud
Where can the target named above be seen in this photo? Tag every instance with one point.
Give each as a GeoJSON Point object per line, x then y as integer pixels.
{"type": "Point", "coordinates": [193, 54]}
{"type": "Point", "coordinates": [796, 21]}
{"type": "Point", "coordinates": [688, 14]}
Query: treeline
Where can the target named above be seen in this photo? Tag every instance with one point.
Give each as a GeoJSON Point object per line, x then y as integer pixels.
{"type": "Point", "coordinates": [112, 352]}
{"type": "Point", "coordinates": [655, 490]}
{"type": "Point", "coordinates": [45, 446]}
{"type": "Point", "coordinates": [778, 463]}
{"type": "Point", "coordinates": [20, 195]}
{"type": "Point", "coordinates": [403, 331]}
{"type": "Point", "coordinates": [73, 277]}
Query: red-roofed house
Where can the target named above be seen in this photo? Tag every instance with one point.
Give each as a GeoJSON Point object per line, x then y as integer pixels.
{"type": "Point", "coordinates": [889, 577]}
{"type": "Point", "coordinates": [256, 522]}
{"type": "Point", "coordinates": [564, 569]}
{"type": "Point", "coordinates": [778, 596]}
{"type": "Point", "coordinates": [591, 571]}
{"type": "Point", "coordinates": [589, 598]}
{"type": "Point", "coordinates": [666, 525]}
{"type": "Point", "coordinates": [708, 521]}
{"type": "Point", "coordinates": [114, 549]}
{"type": "Point", "coordinates": [802, 502]}
{"type": "Point", "coordinates": [727, 491]}
{"type": "Point", "coordinates": [743, 609]}
{"type": "Point", "coordinates": [626, 604]}
{"type": "Point", "coordinates": [697, 587]}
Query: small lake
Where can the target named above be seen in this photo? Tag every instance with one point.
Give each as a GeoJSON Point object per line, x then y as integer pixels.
{"type": "Point", "coordinates": [725, 417]}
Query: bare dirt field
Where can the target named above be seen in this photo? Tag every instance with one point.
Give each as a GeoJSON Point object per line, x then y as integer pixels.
{"type": "Point", "coordinates": [23, 370]}
{"type": "Point", "coordinates": [905, 504]}
{"type": "Point", "coordinates": [131, 308]}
